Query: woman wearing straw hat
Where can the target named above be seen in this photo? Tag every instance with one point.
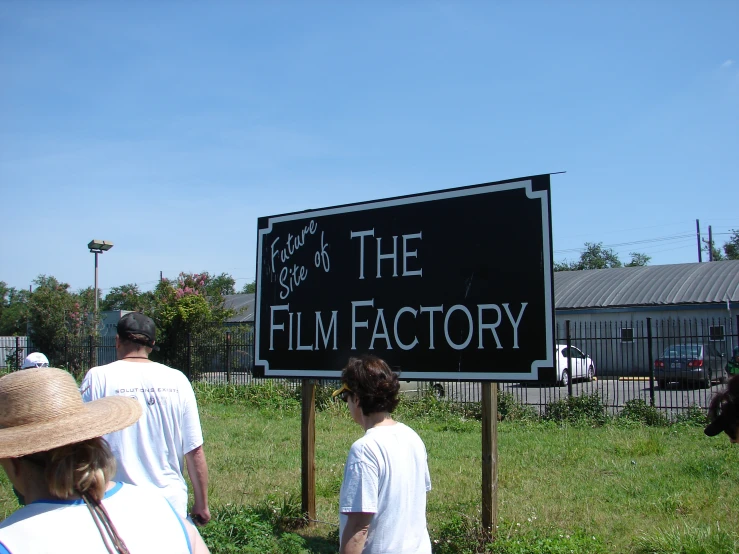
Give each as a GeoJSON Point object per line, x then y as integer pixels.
{"type": "Point", "coordinates": [52, 451]}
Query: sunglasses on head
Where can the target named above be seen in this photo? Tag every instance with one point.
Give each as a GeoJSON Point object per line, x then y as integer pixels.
{"type": "Point", "coordinates": [343, 393]}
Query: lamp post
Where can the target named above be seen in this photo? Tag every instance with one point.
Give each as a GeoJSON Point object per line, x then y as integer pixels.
{"type": "Point", "coordinates": [98, 247]}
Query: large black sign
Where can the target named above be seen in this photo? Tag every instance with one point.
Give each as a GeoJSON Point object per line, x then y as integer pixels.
{"type": "Point", "coordinates": [455, 284]}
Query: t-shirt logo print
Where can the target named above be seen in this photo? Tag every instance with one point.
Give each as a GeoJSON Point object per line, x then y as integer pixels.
{"type": "Point", "coordinates": [151, 401]}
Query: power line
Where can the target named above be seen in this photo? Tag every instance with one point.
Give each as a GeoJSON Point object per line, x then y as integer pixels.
{"type": "Point", "coordinates": [641, 241]}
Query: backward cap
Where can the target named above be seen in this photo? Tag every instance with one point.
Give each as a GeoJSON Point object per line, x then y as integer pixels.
{"type": "Point", "coordinates": [136, 323]}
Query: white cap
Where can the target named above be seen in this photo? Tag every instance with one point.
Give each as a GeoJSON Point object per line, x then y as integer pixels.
{"type": "Point", "coordinates": [35, 359]}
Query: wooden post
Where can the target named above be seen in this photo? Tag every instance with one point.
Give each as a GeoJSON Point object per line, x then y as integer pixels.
{"type": "Point", "coordinates": [308, 449]}
{"type": "Point", "coordinates": [489, 457]}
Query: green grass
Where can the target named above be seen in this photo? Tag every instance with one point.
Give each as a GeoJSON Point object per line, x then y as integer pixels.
{"type": "Point", "coordinates": [619, 483]}
{"type": "Point", "coordinates": [613, 488]}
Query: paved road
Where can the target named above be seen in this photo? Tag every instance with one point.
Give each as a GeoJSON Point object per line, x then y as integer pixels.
{"type": "Point", "coordinates": [614, 393]}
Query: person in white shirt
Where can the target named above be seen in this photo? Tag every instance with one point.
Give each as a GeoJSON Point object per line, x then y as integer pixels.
{"type": "Point", "coordinates": [53, 454]}
{"type": "Point", "coordinates": [382, 502]}
{"type": "Point", "coordinates": [154, 450]}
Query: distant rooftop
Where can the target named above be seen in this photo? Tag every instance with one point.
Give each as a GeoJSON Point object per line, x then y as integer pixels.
{"type": "Point", "coordinates": [243, 305]}
{"type": "Point", "coordinates": [655, 285]}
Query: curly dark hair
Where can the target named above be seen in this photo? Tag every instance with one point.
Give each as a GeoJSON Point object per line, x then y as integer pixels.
{"type": "Point", "coordinates": [373, 382]}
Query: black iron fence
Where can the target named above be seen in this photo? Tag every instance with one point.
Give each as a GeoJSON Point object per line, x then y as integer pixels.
{"type": "Point", "coordinates": [617, 360]}
{"type": "Point", "coordinates": [671, 364]}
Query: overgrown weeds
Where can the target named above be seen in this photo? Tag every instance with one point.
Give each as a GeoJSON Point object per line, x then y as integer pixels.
{"type": "Point", "coordinates": [638, 411]}
{"type": "Point", "coordinates": [241, 529]}
{"type": "Point", "coordinates": [689, 539]}
{"type": "Point", "coordinates": [585, 409]}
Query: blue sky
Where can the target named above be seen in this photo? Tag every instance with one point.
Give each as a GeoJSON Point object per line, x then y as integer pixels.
{"type": "Point", "coordinates": [169, 127]}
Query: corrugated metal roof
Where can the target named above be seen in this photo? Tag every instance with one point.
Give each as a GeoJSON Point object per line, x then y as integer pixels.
{"type": "Point", "coordinates": [655, 285]}
{"type": "Point", "coordinates": [243, 305]}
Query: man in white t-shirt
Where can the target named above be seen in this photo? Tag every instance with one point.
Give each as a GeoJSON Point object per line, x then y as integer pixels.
{"type": "Point", "coordinates": [153, 450]}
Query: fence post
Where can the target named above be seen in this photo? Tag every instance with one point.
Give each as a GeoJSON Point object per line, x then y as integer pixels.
{"type": "Point", "coordinates": [651, 361]}
{"type": "Point", "coordinates": [18, 363]}
{"type": "Point", "coordinates": [569, 358]}
{"type": "Point", "coordinates": [228, 357]}
{"type": "Point", "coordinates": [66, 350]}
{"type": "Point", "coordinates": [89, 345]}
{"type": "Point", "coordinates": [189, 356]}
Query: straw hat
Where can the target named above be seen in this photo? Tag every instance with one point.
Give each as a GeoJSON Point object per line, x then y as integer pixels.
{"type": "Point", "coordinates": [41, 408]}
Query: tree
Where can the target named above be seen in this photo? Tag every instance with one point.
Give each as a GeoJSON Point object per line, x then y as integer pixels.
{"type": "Point", "coordinates": [712, 252]}
{"type": "Point", "coordinates": [56, 317]}
{"type": "Point", "coordinates": [190, 306]}
{"type": "Point", "coordinates": [219, 285]}
{"type": "Point", "coordinates": [13, 310]}
{"type": "Point", "coordinates": [731, 247]}
{"type": "Point", "coordinates": [249, 288]}
{"type": "Point", "coordinates": [638, 260]}
{"type": "Point", "coordinates": [129, 298]}
{"type": "Point", "coordinates": [595, 256]}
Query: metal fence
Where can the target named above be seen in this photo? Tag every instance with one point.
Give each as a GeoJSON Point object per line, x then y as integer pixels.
{"type": "Point", "coordinates": [622, 354]}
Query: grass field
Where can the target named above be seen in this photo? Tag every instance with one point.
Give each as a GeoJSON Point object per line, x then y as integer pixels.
{"type": "Point", "coordinates": [616, 488]}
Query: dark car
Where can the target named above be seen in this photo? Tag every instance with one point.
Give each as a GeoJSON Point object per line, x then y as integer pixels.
{"type": "Point", "coordinates": [699, 364]}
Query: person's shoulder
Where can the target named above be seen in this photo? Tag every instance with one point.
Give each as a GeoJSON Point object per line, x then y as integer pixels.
{"type": "Point", "coordinates": [26, 512]}
{"type": "Point", "coordinates": [107, 368]}
{"type": "Point", "coordinates": [361, 446]}
{"type": "Point", "coordinates": [403, 429]}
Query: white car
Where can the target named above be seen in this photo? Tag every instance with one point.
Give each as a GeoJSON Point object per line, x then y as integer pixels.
{"type": "Point", "coordinates": [582, 366]}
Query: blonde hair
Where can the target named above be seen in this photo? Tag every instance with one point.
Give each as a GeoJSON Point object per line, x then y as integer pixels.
{"type": "Point", "coordinates": [77, 469]}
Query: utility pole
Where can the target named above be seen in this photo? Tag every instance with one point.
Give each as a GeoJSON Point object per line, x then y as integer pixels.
{"type": "Point", "coordinates": [710, 244]}
{"type": "Point", "coordinates": [698, 232]}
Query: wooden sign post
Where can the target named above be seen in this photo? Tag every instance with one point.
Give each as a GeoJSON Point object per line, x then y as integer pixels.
{"type": "Point", "coordinates": [489, 458]}
{"type": "Point", "coordinates": [308, 450]}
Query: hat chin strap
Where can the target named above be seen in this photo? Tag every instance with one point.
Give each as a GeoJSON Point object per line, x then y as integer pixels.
{"type": "Point", "coordinates": [113, 542]}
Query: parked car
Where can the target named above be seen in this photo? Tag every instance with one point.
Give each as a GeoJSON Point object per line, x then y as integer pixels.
{"type": "Point", "coordinates": [582, 366]}
{"type": "Point", "coordinates": [700, 364]}
{"type": "Point", "coordinates": [420, 388]}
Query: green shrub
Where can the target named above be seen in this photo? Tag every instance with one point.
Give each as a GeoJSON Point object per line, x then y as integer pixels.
{"type": "Point", "coordinates": [461, 534]}
{"type": "Point", "coordinates": [585, 409]}
{"type": "Point", "coordinates": [239, 529]}
{"type": "Point", "coordinates": [510, 409]}
{"type": "Point", "coordinates": [547, 542]}
{"type": "Point", "coordinates": [638, 410]}
{"type": "Point", "coordinates": [274, 395]}
{"type": "Point", "coordinates": [431, 407]}
{"type": "Point", "coordinates": [464, 535]}
{"type": "Point", "coordinates": [694, 415]}
{"type": "Point", "coordinates": [284, 513]}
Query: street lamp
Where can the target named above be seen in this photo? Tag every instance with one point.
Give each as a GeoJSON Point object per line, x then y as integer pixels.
{"type": "Point", "coordinates": [98, 247]}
